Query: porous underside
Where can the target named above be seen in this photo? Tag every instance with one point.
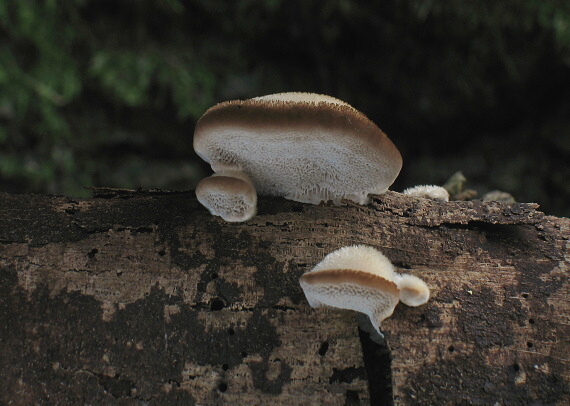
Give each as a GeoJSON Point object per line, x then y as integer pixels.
{"type": "Point", "coordinates": [221, 204]}
{"type": "Point", "coordinates": [308, 166]}
{"type": "Point", "coordinates": [377, 305]}
{"type": "Point", "coordinates": [224, 204]}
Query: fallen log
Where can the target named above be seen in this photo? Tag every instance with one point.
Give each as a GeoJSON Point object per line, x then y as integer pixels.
{"type": "Point", "coordinates": [142, 296]}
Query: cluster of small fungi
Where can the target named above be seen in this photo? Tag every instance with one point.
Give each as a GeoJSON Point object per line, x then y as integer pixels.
{"type": "Point", "coordinates": [309, 148]}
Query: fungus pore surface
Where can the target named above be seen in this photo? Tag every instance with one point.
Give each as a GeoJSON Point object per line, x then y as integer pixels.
{"type": "Point", "coordinates": [228, 194]}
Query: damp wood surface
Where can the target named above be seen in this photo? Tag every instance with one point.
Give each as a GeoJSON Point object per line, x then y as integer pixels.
{"type": "Point", "coordinates": [145, 298]}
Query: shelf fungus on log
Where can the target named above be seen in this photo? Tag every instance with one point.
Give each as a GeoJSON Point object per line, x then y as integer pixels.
{"type": "Point", "coordinates": [361, 278]}
{"type": "Point", "coordinates": [432, 192]}
{"type": "Point", "coordinates": [228, 194]}
{"type": "Point", "coordinates": [301, 146]}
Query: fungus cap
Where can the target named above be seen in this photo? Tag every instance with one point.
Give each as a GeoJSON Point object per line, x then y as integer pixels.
{"type": "Point", "coordinates": [413, 290]}
{"type": "Point", "coordinates": [356, 277]}
{"type": "Point", "coordinates": [360, 258]}
{"type": "Point", "coordinates": [228, 194]}
{"type": "Point", "coordinates": [361, 278]}
{"type": "Point", "coordinates": [428, 192]}
{"type": "Point", "coordinates": [301, 146]}
{"type": "Point", "coordinates": [303, 97]}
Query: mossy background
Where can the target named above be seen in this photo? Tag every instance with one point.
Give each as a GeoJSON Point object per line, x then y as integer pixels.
{"type": "Point", "coordinates": [107, 93]}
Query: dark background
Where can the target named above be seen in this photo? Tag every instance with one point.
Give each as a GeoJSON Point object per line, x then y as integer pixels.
{"type": "Point", "coordinates": [107, 93]}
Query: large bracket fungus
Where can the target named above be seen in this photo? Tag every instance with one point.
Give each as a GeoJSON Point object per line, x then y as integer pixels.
{"type": "Point", "coordinates": [361, 278]}
{"type": "Point", "coordinates": [301, 146]}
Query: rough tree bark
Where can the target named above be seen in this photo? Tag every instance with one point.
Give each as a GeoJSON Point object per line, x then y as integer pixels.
{"type": "Point", "coordinates": [146, 298]}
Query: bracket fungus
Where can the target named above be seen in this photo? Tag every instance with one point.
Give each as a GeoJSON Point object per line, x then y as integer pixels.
{"type": "Point", "coordinates": [432, 192]}
{"type": "Point", "coordinates": [228, 194]}
{"type": "Point", "coordinates": [301, 146]}
{"type": "Point", "coordinates": [361, 278]}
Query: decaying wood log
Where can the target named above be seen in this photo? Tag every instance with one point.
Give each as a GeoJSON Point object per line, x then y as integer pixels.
{"type": "Point", "coordinates": [146, 298]}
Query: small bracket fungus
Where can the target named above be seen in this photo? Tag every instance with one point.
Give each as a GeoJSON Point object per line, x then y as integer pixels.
{"type": "Point", "coordinates": [361, 278]}
{"type": "Point", "coordinates": [428, 192]}
{"type": "Point", "coordinates": [413, 291]}
{"type": "Point", "coordinates": [228, 194]}
{"type": "Point", "coordinates": [302, 146]}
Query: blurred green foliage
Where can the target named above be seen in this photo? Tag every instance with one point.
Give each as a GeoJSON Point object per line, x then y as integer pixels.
{"type": "Point", "coordinates": [59, 59]}
{"type": "Point", "coordinates": [107, 91]}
